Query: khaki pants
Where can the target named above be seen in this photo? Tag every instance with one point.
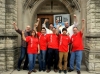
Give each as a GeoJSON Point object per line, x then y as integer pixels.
{"type": "Point", "coordinates": [61, 55]}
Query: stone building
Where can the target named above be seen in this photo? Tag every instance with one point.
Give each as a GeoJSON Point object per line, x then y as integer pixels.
{"type": "Point", "coordinates": [25, 12]}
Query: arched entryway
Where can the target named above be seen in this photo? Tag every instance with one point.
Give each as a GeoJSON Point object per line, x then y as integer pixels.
{"type": "Point", "coordinates": [37, 7]}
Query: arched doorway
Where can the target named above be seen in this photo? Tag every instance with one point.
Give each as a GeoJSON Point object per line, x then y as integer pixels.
{"type": "Point", "coordinates": [46, 7]}
{"type": "Point", "coordinates": [48, 10]}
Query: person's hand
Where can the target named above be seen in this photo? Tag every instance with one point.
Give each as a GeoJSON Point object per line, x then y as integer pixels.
{"type": "Point", "coordinates": [22, 32]}
{"type": "Point", "coordinates": [74, 16]}
{"type": "Point", "coordinates": [59, 26]}
{"type": "Point", "coordinates": [38, 19]}
{"type": "Point", "coordinates": [38, 51]}
{"type": "Point", "coordinates": [46, 20]}
{"type": "Point", "coordinates": [14, 24]}
{"type": "Point", "coordinates": [83, 20]}
{"type": "Point", "coordinates": [35, 25]}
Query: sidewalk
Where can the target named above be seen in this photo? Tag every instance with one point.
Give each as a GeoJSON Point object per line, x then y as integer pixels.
{"type": "Point", "coordinates": [83, 71]}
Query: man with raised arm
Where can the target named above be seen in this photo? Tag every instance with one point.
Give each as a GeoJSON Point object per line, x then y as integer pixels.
{"type": "Point", "coordinates": [68, 27]}
{"type": "Point", "coordinates": [48, 31]}
{"type": "Point", "coordinates": [23, 46]}
{"type": "Point", "coordinates": [77, 48]}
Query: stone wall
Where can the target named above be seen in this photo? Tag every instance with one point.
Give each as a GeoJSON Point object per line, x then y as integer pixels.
{"type": "Point", "coordinates": [92, 51]}
{"type": "Point", "coordinates": [8, 37]}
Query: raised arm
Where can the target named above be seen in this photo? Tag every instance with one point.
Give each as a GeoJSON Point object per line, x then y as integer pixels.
{"type": "Point", "coordinates": [75, 20]}
{"type": "Point", "coordinates": [48, 31]}
{"type": "Point", "coordinates": [17, 29]}
{"type": "Point", "coordinates": [23, 36]}
{"type": "Point", "coordinates": [15, 26]}
{"type": "Point", "coordinates": [44, 24]}
{"type": "Point", "coordinates": [83, 25]}
{"type": "Point", "coordinates": [36, 24]}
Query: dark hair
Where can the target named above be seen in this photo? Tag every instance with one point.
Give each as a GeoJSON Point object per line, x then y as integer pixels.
{"type": "Point", "coordinates": [51, 23]}
{"type": "Point", "coordinates": [64, 29]}
{"type": "Point", "coordinates": [43, 28]}
{"type": "Point", "coordinates": [54, 27]}
{"type": "Point", "coordinates": [35, 33]}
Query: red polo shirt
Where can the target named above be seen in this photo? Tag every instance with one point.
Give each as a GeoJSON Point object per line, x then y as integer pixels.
{"type": "Point", "coordinates": [64, 43]}
{"type": "Point", "coordinates": [77, 42]}
{"type": "Point", "coordinates": [32, 44]}
{"type": "Point", "coordinates": [42, 41]}
{"type": "Point", "coordinates": [53, 41]}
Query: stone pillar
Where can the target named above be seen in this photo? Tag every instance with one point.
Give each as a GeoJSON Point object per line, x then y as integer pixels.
{"type": "Point", "coordinates": [92, 51]}
{"type": "Point", "coordinates": [10, 34]}
{"type": "Point", "coordinates": [8, 37]}
{"type": "Point", "coordinates": [2, 32]}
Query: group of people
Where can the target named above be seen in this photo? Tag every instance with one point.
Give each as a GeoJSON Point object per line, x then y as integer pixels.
{"type": "Point", "coordinates": [52, 46]}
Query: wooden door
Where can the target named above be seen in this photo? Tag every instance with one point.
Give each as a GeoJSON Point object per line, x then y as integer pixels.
{"type": "Point", "coordinates": [42, 17]}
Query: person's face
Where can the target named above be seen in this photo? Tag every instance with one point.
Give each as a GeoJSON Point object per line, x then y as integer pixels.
{"type": "Point", "coordinates": [51, 26]}
{"type": "Point", "coordinates": [33, 33]}
{"type": "Point", "coordinates": [57, 21]}
{"type": "Point", "coordinates": [75, 30]}
{"type": "Point", "coordinates": [46, 20]}
{"type": "Point", "coordinates": [28, 29]}
{"type": "Point", "coordinates": [54, 30]}
{"type": "Point", "coordinates": [43, 31]}
{"type": "Point", "coordinates": [64, 32]}
{"type": "Point", "coordinates": [66, 24]}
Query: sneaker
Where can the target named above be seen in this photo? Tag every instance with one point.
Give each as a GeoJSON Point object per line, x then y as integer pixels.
{"type": "Point", "coordinates": [65, 71]}
{"type": "Point", "coordinates": [18, 69]}
{"type": "Point", "coordinates": [25, 68]}
{"type": "Point", "coordinates": [59, 71]}
{"type": "Point", "coordinates": [44, 70]}
{"type": "Point", "coordinates": [40, 70]}
{"type": "Point", "coordinates": [78, 72]}
{"type": "Point", "coordinates": [55, 70]}
{"type": "Point", "coordinates": [29, 72]}
{"type": "Point", "coordinates": [34, 70]}
{"type": "Point", "coordinates": [70, 70]}
{"type": "Point", "coordinates": [48, 71]}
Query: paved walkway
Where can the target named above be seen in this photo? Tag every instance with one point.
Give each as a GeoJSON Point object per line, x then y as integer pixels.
{"type": "Point", "coordinates": [83, 71]}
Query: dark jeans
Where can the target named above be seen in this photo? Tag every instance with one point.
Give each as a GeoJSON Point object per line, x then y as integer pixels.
{"type": "Point", "coordinates": [42, 60]}
{"type": "Point", "coordinates": [22, 56]}
{"type": "Point", "coordinates": [53, 53]}
{"type": "Point", "coordinates": [32, 59]}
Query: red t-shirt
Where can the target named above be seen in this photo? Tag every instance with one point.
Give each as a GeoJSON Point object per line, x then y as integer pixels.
{"type": "Point", "coordinates": [42, 41]}
{"type": "Point", "coordinates": [53, 41]}
{"type": "Point", "coordinates": [32, 44]}
{"type": "Point", "coordinates": [64, 43]}
{"type": "Point", "coordinates": [77, 42]}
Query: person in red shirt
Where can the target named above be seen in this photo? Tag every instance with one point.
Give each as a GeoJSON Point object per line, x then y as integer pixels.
{"type": "Point", "coordinates": [43, 48]}
{"type": "Point", "coordinates": [53, 45]}
{"type": "Point", "coordinates": [63, 49]}
{"type": "Point", "coordinates": [33, 48]}
{"type": "Point", "coordinates": [77, 48]}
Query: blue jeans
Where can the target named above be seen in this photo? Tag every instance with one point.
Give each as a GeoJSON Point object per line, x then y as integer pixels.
{"type": "Point", "coordinates": [42, 60]}
{"type": "Point", "coordinates": [77, 57]}
{"type": "Point", "coordinates": [32, 59]}
{"type": "Point", "coordinates": [22, 56]}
